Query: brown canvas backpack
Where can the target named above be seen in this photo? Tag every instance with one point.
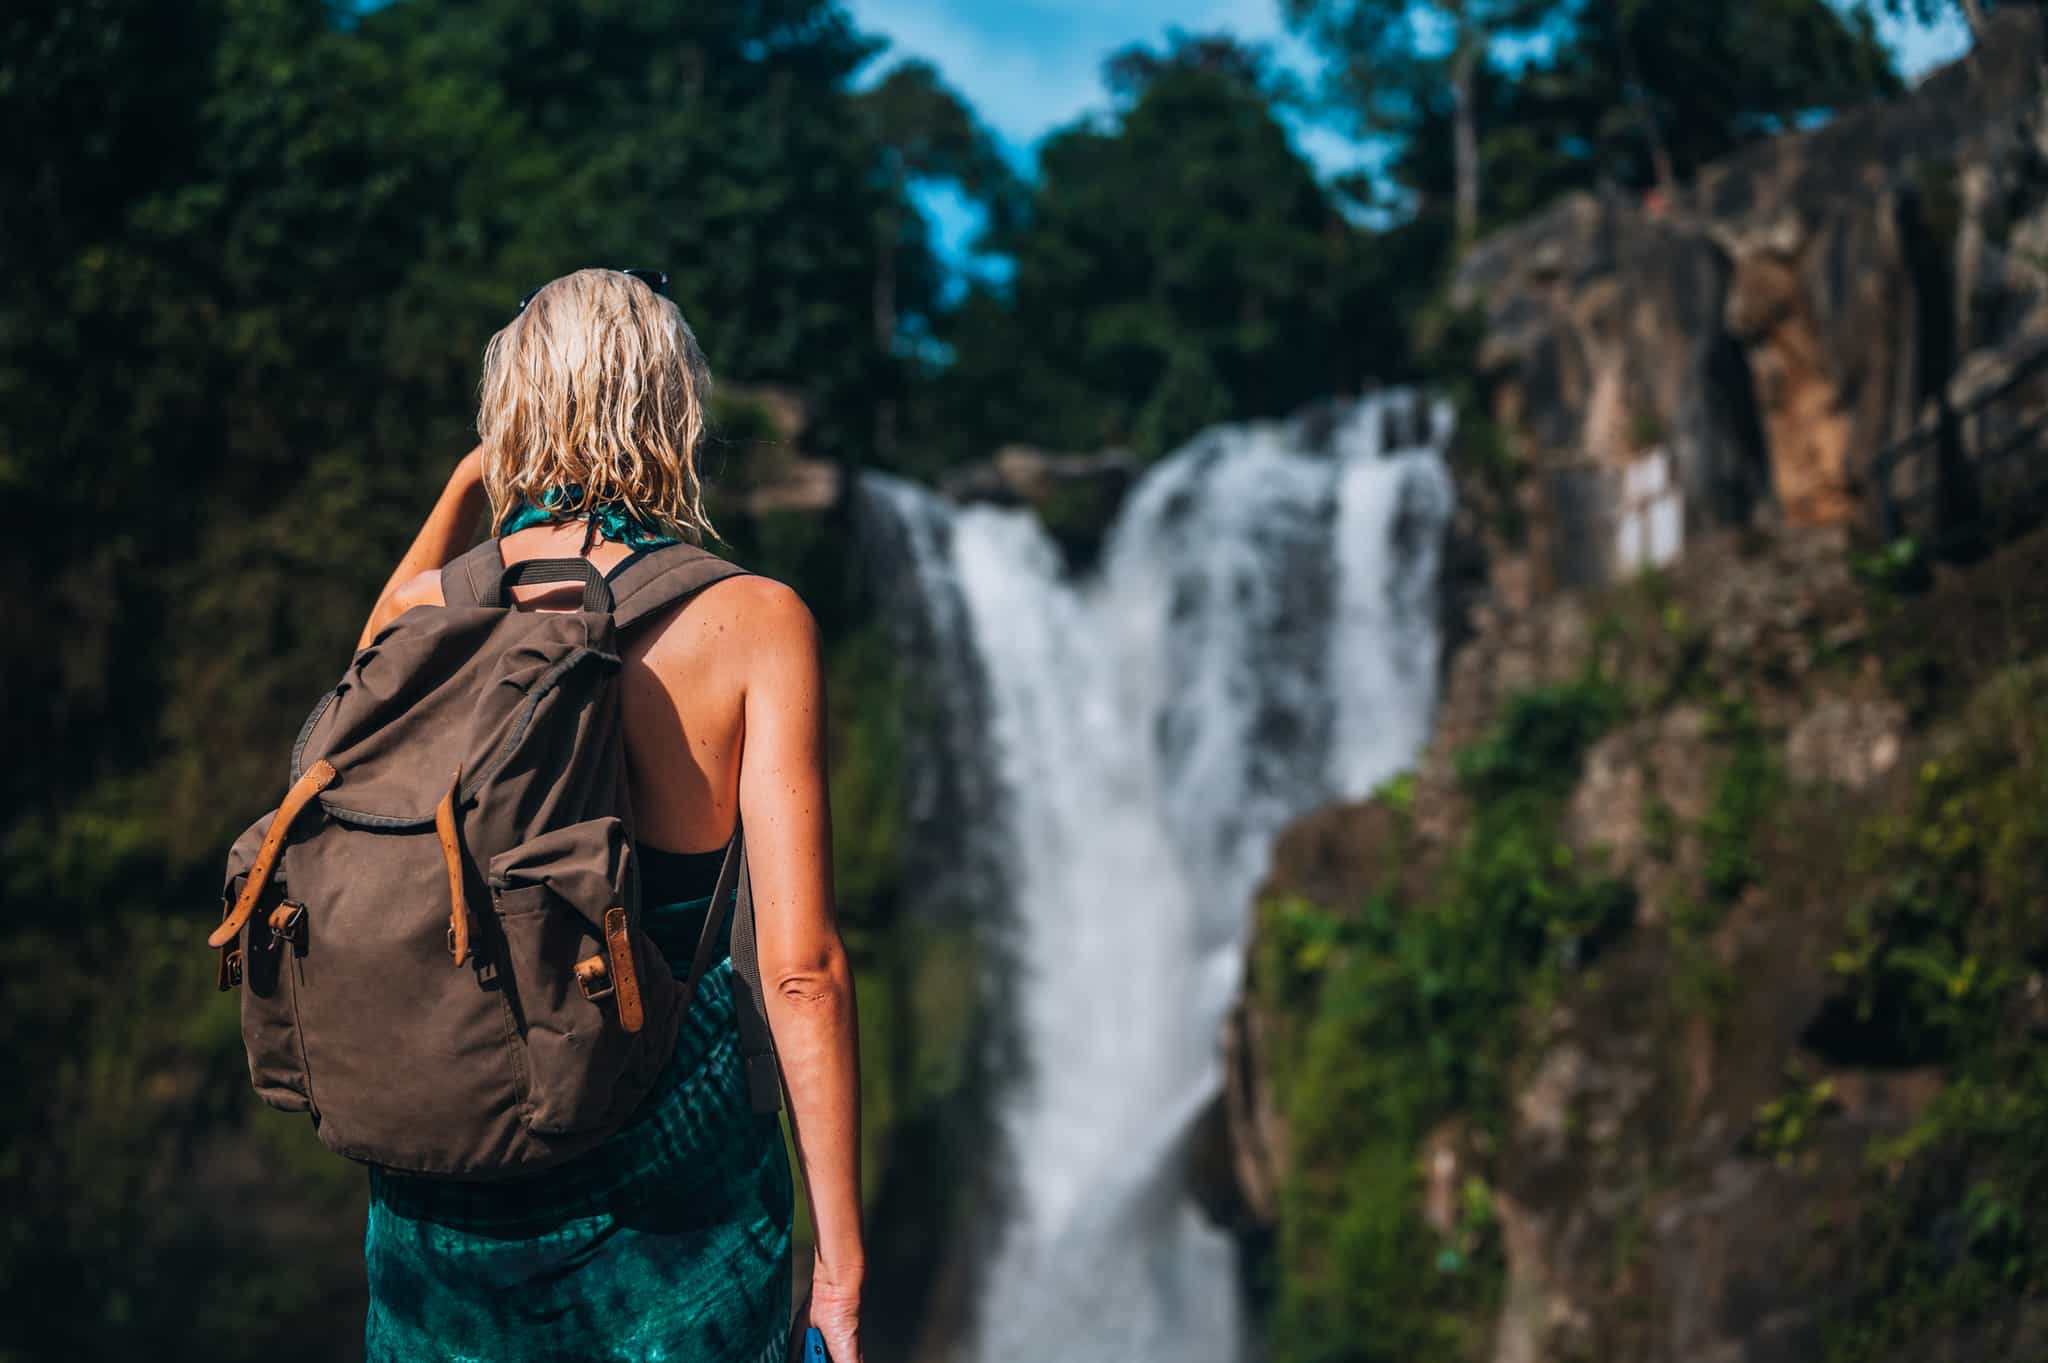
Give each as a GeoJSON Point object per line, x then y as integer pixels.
{"type": "Point", "coordinates": [437, 933]}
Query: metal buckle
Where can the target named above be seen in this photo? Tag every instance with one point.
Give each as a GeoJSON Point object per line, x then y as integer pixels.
{"type": "Point", "coordinates": [588, 973]}
{"type": "Point", "coordinates": [293, 929]}
{"type": "Point", "coordinates": [230, 969]}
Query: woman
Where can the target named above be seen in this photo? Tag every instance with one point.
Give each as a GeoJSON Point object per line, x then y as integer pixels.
{"type": "Point", "coordinates": [671, 1240]}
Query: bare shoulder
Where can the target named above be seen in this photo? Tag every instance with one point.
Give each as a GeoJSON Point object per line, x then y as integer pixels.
{"type": "Point", "coordinates": [772, 611]}
{"type": "Point", "coordinates": [749, 620]}
{"type": "Point", "coordinates": [421, 589]}
{"type": "Point", "coordinates": [773, 629]}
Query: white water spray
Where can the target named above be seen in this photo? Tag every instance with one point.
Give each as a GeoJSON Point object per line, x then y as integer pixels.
{"type": "Point", "coordinates": [1260, 638]}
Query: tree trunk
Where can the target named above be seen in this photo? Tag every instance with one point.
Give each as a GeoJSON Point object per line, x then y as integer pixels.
{"type": "Point", "coordinates": [1973, 14]}
{"type": "Point", "coordinates": [884, 298]}
{"type": "Point", "coordinates": [1465, 137]}
{"type": "Point", "coordinates": [1639, 100]}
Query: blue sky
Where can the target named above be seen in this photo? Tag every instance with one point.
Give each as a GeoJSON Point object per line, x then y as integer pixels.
{"type": "Point", "coordinates": [1029, 66]}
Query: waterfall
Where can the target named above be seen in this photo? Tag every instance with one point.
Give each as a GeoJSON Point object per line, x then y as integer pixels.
{"type": "Point", "coordinates": [1259, 638]}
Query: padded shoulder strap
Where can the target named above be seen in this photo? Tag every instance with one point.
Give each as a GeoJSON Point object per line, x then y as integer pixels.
{"type": "Point", "coordinates": [465, 580]}
{"type": "Point", "coordinates": [661, 577]}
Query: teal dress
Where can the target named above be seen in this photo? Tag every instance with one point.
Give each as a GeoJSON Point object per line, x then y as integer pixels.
{"type": "Point", "coordinates": [668, 1243]}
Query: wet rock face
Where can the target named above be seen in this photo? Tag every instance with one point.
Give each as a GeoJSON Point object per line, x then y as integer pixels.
{"type": "Point", "coordinates": [1795, 311]}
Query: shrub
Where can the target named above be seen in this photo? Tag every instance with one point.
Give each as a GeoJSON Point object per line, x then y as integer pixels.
{"type": "Point", "coordinates": [1943, 963]}
{"type": "Point", "coordinates": [1399, 1015]}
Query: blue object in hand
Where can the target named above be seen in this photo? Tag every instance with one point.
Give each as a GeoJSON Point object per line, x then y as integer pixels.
{"type": "Point", "coordinates": [814, 1347]}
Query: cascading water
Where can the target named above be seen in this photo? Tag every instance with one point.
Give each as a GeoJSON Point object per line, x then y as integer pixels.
{"type": "Point", "coordinates": [1260, 638]}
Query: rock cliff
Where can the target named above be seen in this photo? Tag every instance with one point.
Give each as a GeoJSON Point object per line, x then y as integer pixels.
{"type": "Point", "coordinates": [1679, 1006]}
{"type": "Point", "coordinates": [1556, 1050]}
{"type": "Point", "coordinates": [1763, 337]}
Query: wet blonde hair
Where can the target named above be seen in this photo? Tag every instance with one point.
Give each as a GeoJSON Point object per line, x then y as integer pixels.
{"type": "Point", "coordinates": [599, 386]}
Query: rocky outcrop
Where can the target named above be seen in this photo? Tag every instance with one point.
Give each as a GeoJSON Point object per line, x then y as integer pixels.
{"type": "Point", "coordinates": [1674, 1164]}
{"type": "Point", "coordinates": [1027, 475]}
{"type": "Point", "coordinates": [1076, 496]}
{"type": "Point", "coordinates": [756, 438]}
{"type": "Point", "coordinates": [1800, 306]}
{"type": "Point", "coordinates": [1637, 1213]}
{"type": "Point", "coordinates": [1695, 1150]}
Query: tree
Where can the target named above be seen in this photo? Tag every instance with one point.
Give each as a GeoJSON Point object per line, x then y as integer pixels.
{"type": "Point", "coordinates": [1177, 263]}
{"type": "Point", "coordinates": [1639, 95]}
{"type": "Point", "coordinates": [1707, 77]}
{"type": "Point", "coordinates": [923, 132]}
{"type": "Point", "coordinates": [1387, 56]}
{"type": "Point", "coordinates": [256, 248]}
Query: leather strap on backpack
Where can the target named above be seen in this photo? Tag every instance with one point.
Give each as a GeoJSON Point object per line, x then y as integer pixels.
{"type": "Point", "coordinates": [757, 1043]}
{"type": "Point", "coordinates": [625, 975]}
{"type": "Point", "coordinates": [448, 831]}
{"type": "Point", "coordinates": [318, 777]}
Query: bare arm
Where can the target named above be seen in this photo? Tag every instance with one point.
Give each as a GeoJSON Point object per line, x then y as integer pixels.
{"type": "Point", "coordinates": [804, 969]}
{"type": "Point", "coordinates": [444, 535]}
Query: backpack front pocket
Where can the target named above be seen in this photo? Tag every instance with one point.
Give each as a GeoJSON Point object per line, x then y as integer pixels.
{"type": "Point", "coordinates": [263, 967]}
{"type": "Point", "coordinates": [593, 1027]}
{"type": "Point", "coordinates": [566, 1022]}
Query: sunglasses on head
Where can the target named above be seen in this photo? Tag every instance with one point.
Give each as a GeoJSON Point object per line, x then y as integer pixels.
{"type": "Point", "coordinates": [656, 280]}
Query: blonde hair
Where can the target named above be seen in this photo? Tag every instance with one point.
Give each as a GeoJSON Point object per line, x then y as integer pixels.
{"type": "Point", "coordinates": [595, 393]}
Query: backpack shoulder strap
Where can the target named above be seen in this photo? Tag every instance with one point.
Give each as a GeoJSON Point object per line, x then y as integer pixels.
{"type": "Point", "coordinates": [659, 578]}
{"type": "Point", "coordinates": [465, 580]}
{"type": "Point", "coordinates": [734, 893]}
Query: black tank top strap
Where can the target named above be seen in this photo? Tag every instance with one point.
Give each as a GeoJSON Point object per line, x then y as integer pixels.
{"type": "Point", "coordinates": [676, 877]}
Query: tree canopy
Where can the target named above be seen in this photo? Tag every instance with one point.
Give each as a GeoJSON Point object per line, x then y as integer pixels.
{"type": "Point", "coordinates": [1175, 263]}
{"type": "Point", "coordinates": [1621, 92]}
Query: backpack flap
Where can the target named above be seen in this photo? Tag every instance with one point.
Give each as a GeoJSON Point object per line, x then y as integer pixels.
{"type": "Point", "coordinates": [587, 869]}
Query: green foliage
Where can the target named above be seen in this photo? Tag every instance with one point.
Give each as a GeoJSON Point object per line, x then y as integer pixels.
{"type": "Point", "coordinates": [867, 756]}
{"type": "Point", "coordinates": [1394, 62]}
{"type": "Point", "coordinates": [1942, 963]}
{"type": "Point", "coordinates": [1401, 1015]}
{"type": "Point", "coordinates": [136, 1063]}
{"type": "Point", "coordinates": [256, 281]}
{"type": "Point", "coordinates": [1174, 265]}
{"type": "Point", "coordinates": [1897, 568]}
{"type": "Point", "coordinates": [1536, 744]}
{"type": "Point", "coordinates": [1447, 341]}
{"type": "Point", "coordinates": [258, 247]}
{"type": "Point", "coordinates": [1785, 1125]}
{"type": "Point", "coordinates": [1646, 429]}
{"type": "Point", "coordinates": [1692, 80]}
{"type": "Point", "coordinates": [1747, 783]}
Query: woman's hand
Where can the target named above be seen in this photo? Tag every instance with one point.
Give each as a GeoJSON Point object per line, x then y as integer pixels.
{"type": "Point", "coordinates": [833, 1307]}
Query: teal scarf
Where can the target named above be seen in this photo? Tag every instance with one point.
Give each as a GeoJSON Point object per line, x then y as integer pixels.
{"type": "Point", "coordinates": [614, 521]}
